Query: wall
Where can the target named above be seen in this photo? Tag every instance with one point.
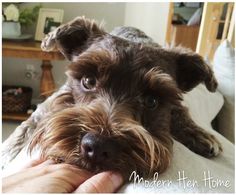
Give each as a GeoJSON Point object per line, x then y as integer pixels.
{"type": "Point", "coordinates": [149, 17]}
{"type": "Point", "coordinates": [111, 13]}
{"type": "Point", "coordinates": [99, 11]}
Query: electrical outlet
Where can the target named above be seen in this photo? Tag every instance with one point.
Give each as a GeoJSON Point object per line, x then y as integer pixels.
{"type": "Point", "coordinates": [30, 72]}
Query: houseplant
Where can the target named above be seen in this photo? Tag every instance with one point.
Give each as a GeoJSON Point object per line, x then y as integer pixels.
{"type": "Point", "coordinates": [13, 19]}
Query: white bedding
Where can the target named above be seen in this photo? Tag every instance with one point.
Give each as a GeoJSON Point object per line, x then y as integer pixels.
{"type": "Point", "coordinates": [203, 107]}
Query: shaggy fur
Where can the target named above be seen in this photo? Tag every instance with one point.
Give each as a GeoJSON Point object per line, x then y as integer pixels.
{"type": "Point", "coordinates": [123, 94]}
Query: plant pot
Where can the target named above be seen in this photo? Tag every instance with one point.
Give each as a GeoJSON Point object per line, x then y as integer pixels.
{"type": "Point", "coordinates": [11, 29]}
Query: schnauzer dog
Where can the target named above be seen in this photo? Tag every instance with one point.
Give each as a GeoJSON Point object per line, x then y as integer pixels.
{"type": "Point", "coordinates": [120, 108]}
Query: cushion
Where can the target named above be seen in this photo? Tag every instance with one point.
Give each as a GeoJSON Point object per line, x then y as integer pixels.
{"type": "Point", "coordinates": [224, 68]}
{"type": "Point", "coordinates": [203, 105]}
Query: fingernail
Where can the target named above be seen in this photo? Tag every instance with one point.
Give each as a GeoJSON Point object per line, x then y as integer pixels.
{"type": "Point", "coordinates": [117, 179]}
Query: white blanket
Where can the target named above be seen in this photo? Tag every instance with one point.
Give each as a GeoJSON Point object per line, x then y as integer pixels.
{"type": "Point", "coordinates": [187, 170]}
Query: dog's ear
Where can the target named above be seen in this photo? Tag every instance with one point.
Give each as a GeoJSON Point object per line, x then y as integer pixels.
{"type": "Point", "coordinates": [72, 38]}
{"type": "Point", "coordinates": [190, 69]}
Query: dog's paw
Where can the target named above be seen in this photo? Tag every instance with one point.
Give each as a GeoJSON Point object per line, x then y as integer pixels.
{"type": "Point", "coordinates": [214, 146]}
{"type": "Point", "coordinates": [205, 144]}
{"type": "Point", "coordinates": [211, 82]}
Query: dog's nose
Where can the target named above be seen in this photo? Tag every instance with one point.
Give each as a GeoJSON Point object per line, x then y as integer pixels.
{"type": "Point", "coordinates": [98, 148]}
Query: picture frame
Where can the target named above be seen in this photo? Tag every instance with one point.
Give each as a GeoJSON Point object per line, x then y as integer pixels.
{"type": "Point", "coordinates": [48, 20]}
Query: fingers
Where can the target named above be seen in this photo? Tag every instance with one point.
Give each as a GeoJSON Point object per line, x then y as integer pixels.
{"type": "Point", "coordinates": [40, 162]}
{"type": "Point", "coordinates": [46, 163]}
{"type": "Point", "coordinates": [71, 177]}
{"type": "Point", "coordinates": [105, 182]}
{"type": "Point", "coordinates": [46, 177]}
{"type": "Point", "coordinates": [30, 170]}
{"type": "Point", "coordinates": [68, 175]}
{"type": "Point", "coordinates": [66, 167]}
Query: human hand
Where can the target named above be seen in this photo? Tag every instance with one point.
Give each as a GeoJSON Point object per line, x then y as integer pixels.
{"type": "Point", "coordinates": [47, 177]}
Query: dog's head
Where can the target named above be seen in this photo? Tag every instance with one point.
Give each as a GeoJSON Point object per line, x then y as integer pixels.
{"type": "Point", "coordinates": [117, 115]}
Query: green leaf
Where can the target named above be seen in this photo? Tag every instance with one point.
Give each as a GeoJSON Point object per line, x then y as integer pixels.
{"type": "Point", "coordinates": [28, 17]}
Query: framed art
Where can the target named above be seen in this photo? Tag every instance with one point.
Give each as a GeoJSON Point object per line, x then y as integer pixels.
{"type": "Point", "coordinates": [48, 20]}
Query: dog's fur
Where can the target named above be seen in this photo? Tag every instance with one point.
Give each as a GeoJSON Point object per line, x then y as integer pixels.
{"type": "Point", "coordinates": [132, 108]}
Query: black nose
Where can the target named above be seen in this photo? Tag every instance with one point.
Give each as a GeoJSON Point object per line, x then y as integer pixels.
{"type": "Point", "coordinates": [98, 148]}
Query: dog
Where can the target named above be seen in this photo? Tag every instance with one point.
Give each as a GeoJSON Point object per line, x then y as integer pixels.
{"type": "Point", "coordinates": [120, 108]}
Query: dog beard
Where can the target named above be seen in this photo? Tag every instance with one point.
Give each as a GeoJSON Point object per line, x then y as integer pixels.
{"type": "Point", "coordinates": [126, 145]}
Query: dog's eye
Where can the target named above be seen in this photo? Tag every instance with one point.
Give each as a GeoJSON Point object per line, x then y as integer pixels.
{"type": "Point", "coordinates": [150, 102]}
{"type": "Point", "coordinates": [89, 82]}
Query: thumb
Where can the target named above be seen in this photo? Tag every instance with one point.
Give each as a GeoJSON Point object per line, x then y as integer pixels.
{"type": "Point", "coordinates": [105, 182]}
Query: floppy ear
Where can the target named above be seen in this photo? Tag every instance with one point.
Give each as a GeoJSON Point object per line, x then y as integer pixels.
{"type": "Point", "coordinates": [190, 70]}
{"type": "Point", "coordinates": [72, 38]}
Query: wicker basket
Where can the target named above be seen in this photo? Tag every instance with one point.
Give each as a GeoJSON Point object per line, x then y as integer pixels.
{"type": "Point", "coordinates": [16, 103]}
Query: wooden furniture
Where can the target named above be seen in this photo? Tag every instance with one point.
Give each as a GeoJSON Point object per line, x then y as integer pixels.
{"type": "Point", "coordinates": [184, 35]}
{"type": "Point", "coordinates": [15, 117]}
{"type": "Point", "coordinates": [169, 23]}
{"type": "Point", "coordinates": [211, 18]}
{"type": "Point", "coordinates": [31, 49]}
{"type": "Point", "coordinates": [207, 40]}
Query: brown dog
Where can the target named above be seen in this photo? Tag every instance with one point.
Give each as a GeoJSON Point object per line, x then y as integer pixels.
{"type": "Point", "coordinates": [123, 104]}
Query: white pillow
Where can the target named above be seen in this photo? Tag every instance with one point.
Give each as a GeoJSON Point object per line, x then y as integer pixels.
{"type": "Point", "coordinates": [224, 68]}
{"type": "Point", "coordinates": [203, 105]}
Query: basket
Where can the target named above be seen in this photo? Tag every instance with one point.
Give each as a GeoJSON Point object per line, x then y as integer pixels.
{"type": "Point", "coordinates": [19, 103]}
